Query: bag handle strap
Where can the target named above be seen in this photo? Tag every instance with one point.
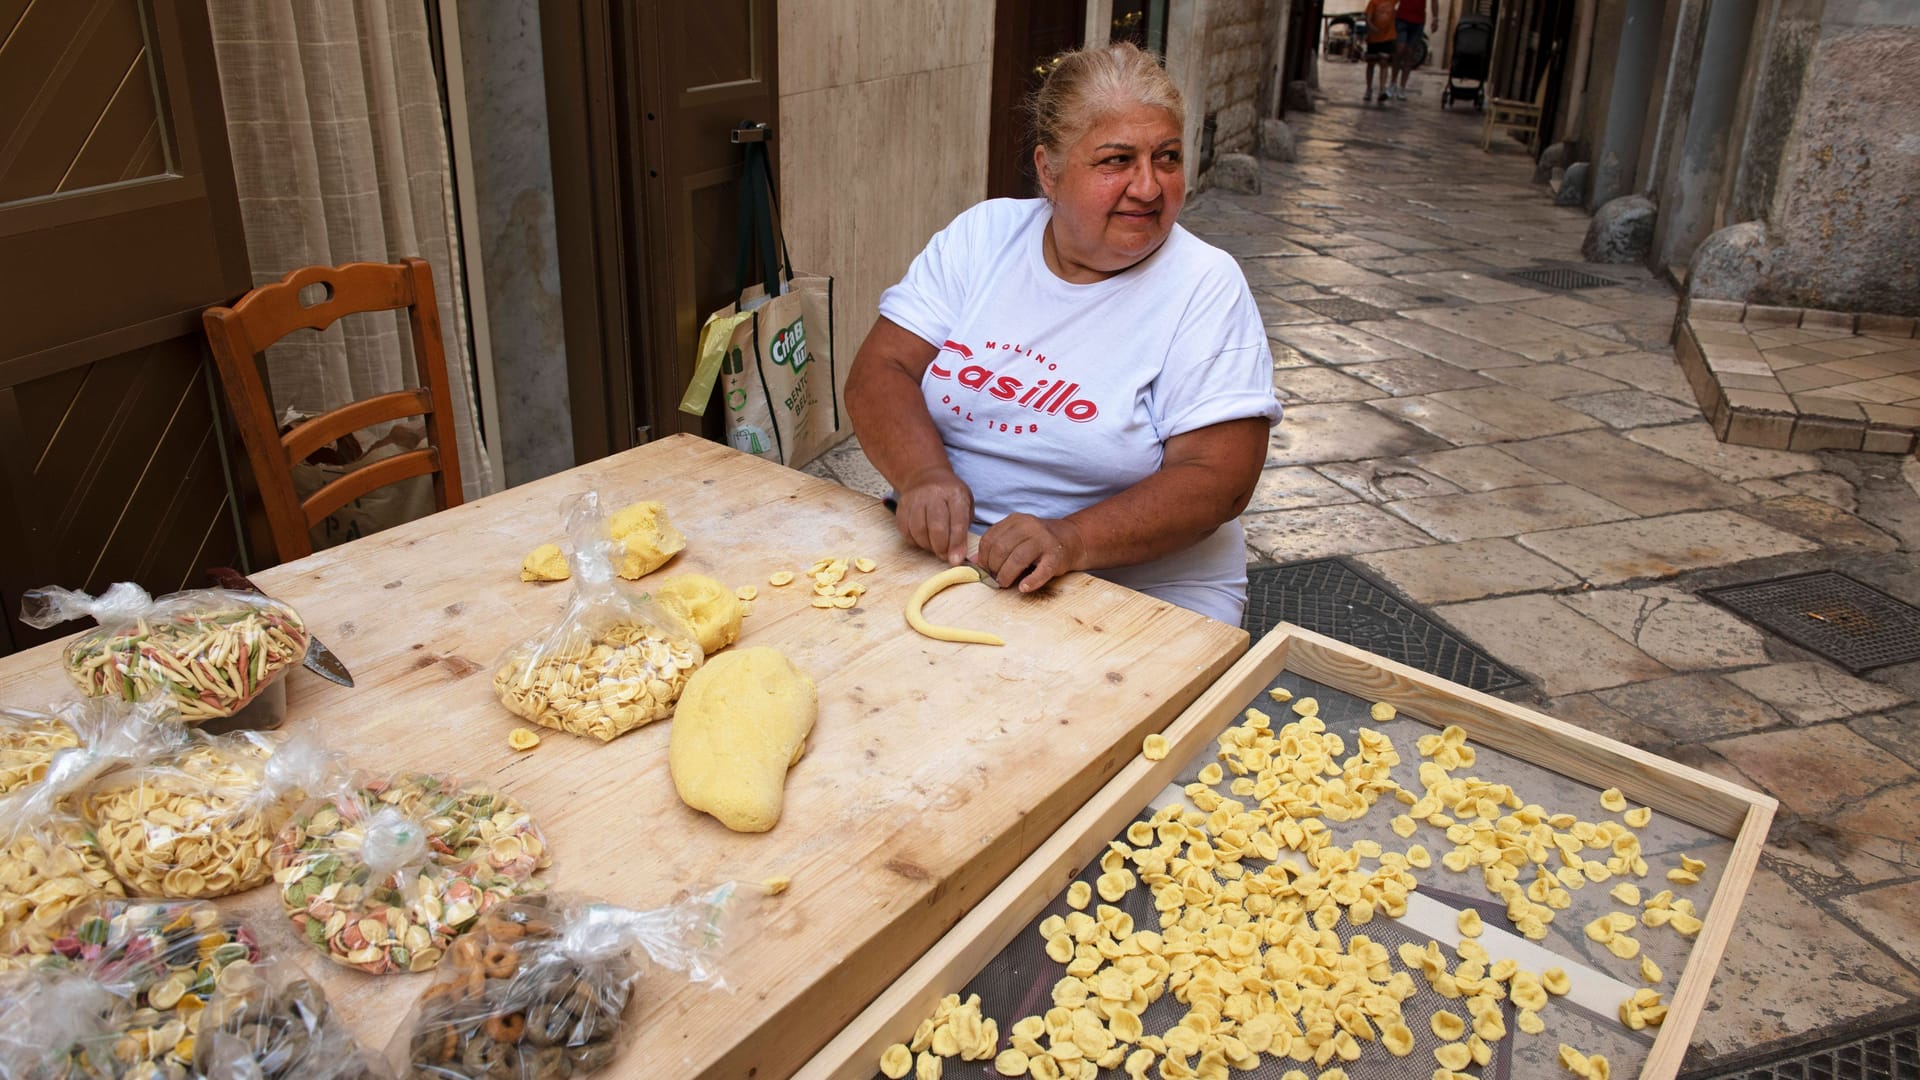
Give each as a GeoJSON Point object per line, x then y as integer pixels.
{"type": "Point", "coordinates": [758, 222]}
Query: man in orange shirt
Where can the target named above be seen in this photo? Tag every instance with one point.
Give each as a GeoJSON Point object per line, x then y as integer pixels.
{"type": "Point", "coordinates": [1410, 23]}
{"type": "Point", "coordinates": [1380, 46]}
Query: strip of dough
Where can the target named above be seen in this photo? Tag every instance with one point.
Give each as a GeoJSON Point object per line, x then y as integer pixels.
{"type": "Point", "coordinates": [932, 587]}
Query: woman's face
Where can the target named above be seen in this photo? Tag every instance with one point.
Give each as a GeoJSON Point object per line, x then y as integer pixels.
{"type": "Point", "coordinates": [1117, 192]}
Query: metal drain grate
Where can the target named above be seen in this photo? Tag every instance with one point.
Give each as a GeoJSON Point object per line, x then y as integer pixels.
{"type": "Point", "coordinates": [1557, 277]}
{"type": "Point", "coordinates": [1883, 1055]}
{"type": "Point", "coordinates": [1854, 625]}
{"type": "Point", "coordinates": [1330, 597]}
{"type": "Point", "coordinates": [1343, 310]}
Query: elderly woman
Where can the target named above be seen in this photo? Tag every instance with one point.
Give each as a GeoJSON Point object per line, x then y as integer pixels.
{"type": "Point", "coordinates": [1077, 375]}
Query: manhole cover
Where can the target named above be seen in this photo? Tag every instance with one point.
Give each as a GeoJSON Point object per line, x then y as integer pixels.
{"type": "Point", "coordinates": [1889, 1054]}
{"type": "Point", "coordinates": [1854, 625]}
{"type": "Point", "coordinates": [1328, 596]}
{"type": "Point", "coordinates": [1556, 277]}
{"type": "Point", "coordinates": [1343, 310]}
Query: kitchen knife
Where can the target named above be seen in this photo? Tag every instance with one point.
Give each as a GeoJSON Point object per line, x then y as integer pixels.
{"type": "Point", "coordinates": [319, 659]}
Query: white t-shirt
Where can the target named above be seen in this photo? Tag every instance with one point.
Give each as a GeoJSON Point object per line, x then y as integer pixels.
{"type": "Point", "coordinates": [1052, 396]}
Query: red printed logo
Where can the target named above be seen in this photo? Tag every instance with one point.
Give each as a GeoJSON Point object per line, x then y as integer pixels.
{"type": "Point", "coordinates": [1048, 397]}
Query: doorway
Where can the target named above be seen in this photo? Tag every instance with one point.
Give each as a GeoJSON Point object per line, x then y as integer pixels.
{"type": "Point", "coordinates": [1026, 35]}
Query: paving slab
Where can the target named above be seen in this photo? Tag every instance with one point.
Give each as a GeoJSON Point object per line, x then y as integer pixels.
{"type": "Point", "coordinates": [1564, 651]}
{"type": "Point", "coordinates": [1317, 532]}
{"type": "Point", "coordinates": [1525, 415]}
{"type": "Point", "coordinates": [1822, 522]}
{"type": "Point", "coordinates": [1654, 372]}
{"type": "Point", "coordinates": [1480, 468]}
{"type": "Point", "coordinates": [1463, 352]}
{"type": "Point", "coordinates": [1386, 479]}
{"type": "Point", "coordinates": [1443, 421]}
{"type": "Point", "coordinates": [1493, 324]}
{"type": "Point", "coordinates": [1891, 914]}
{"type": "Point", "coordinates": [1813, 691]}
{"type": "Point", "coordinates": [1586, 711]}
{"type": "Point", "coordinates": [1625, 473]}
{"type": "Point", "coordinates": [1885, 827]}
{"type": "Point", "coordinates": [1691, 708]}
{"type": "Point", "coordinates": [1473, 570]}
{"type": "Point", "coordinates": [1415, 375]}
{"type": "Point", "coordinates": [1314, 383]}
{"type": "Point", "coordinates": [1322, 270]}
{"type": "Point", "coordinates": [1291, 487]}
{"type": "Point", "coordinates": [1567, 311]}
{"type": "Point", "coordinates": [1791, 969]}
{"type": "Point", "coordinates": [1696, 445]}
{"type": "Point", "coordinates": [1339, 431]}
{"type": "Point", "coordinates": [1507, 511]}
{"type": "Point", "coordinates": [1676, 628]}
{"type": "Point", "coordinates": [1332, 343]}
{"type": "Point", "coordinates": [1662, 547]}
{"type": "Point", "coordinates": [848, 465]}
{"type": "Point", "coordinates": [1631, 408]}
{"type": "Point", "coordinates": [1897, 731]}
{"type": "Point", "coordinates": [1815, 771]}
{"type": "Point", "coordinates": [1554, 380]}
{"type": "Point", "coordinates": [1478, 288]}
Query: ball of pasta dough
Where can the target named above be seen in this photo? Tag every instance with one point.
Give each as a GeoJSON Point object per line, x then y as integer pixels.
{"type": "Point", "coordinates": [709, 608]}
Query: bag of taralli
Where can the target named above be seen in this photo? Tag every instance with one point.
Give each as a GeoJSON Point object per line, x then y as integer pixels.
{"type": "Point", "coordinates": [385, 874]}
{"type": "Point", "coordinates": [615, 661]}
{"type": "Point", "coordinates": [212, 651]}
{"type": "Point", "coordinates": [541, 988]}
{"type": "Point", "coordinates": [49, 863]}
{"type": "Point", "coordinates": [199, 821]}
{"type": "Point", "coordinates": [183, 991]}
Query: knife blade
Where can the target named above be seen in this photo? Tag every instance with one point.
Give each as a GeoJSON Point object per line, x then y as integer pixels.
{"type": "Point", "coordinates": [319, 659]}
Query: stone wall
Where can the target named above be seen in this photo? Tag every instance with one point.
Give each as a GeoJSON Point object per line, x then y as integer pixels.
{"type": "Point", "coordinates": [1240, 37]}
{"type": "Point", "coordinates": [1844, 220]}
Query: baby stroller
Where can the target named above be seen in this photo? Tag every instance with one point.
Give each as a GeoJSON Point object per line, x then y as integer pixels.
{"type": "Point", "coordinates": [1472, 52]}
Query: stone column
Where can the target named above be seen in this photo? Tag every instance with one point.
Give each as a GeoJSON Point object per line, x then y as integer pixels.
{"type": "Point", "coordinates": [1688, 191]}
{"type": "Point", "coordinates": [1633, 66]}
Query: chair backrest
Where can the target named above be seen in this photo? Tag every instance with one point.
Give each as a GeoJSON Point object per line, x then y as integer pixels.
{"type": "Point", "coordinates": [238, 334]}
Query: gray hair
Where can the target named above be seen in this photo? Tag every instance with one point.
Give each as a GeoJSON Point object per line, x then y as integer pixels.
{"type": "Point", "coordinates": [1089, 83]}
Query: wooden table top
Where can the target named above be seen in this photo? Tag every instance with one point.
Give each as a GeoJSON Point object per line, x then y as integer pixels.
{"type": "Point", "coordinates": [933, 770]}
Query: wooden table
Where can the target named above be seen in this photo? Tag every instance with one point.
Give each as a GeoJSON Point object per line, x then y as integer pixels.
{"type": "Point", "coordinates": [934, 768]}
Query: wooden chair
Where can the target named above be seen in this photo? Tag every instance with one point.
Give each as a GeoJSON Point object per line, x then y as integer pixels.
{"type": "Point", "coordinates": [239, 333]}
{"type": "Point", "coordinates": [1511, 114]}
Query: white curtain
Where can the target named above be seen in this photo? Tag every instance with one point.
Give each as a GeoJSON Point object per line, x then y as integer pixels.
{"type": "Point", "coordinates": [340, 155]}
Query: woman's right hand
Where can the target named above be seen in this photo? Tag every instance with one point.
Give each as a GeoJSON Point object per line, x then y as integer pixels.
{"type": "Point", "coordinates": [934, 512]}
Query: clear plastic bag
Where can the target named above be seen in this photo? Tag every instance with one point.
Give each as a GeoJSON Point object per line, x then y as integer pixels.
{"type": "Point", "coordinates": [199, 822]}
{"type": "Point", "coordinates": [28, 741]}
{"type": "Point", "coordinates": [179, 991]}
{"type": "Point", "coordinates": [614, 662]}
{"type": "Point", "coordinates": [539, 990]}
{"type": "Point", "coordinates": [384, 875]}
{"type": "Point", "coordinates": [54, 1021]}
{"type": "Point", "coordinates": [48, 861]}
{"type": "Point", "coordinates": [212, 651]}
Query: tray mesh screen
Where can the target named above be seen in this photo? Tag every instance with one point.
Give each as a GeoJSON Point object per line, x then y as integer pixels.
{"type": "Point", "coordinates": [1018, 982]}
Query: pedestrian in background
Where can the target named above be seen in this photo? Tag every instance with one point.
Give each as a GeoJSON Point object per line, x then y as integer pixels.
{"type": "Point", "coordinates": [1382, 41]}
{"type": "Point", "coordinates": [1411, 24]}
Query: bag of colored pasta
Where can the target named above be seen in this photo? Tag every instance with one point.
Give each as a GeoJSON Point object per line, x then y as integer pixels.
{"type": "Point", "coordinates": [385, 873]}
{"type": "Point", "coordinates": [541, 988]}
{"type": "Point", "coordinates": [211, 651]}
{"type": "Point", "coordinates": [199, 821]}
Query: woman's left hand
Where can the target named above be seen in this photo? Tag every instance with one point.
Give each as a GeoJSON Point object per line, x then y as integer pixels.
{"type": "Point", "coordinates": [1041, 549]}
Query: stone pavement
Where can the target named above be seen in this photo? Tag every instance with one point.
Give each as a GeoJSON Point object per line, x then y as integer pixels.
{"type": "Point", "coordinates": [1530, 465]}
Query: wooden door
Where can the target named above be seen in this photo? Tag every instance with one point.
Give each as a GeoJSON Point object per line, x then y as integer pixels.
{"type": "Point", "coordinates": [118, 224]}
{"type": "Point", "coordinates": [1026, 34]}
{"type": "Point", "coordinates": [643, 100]}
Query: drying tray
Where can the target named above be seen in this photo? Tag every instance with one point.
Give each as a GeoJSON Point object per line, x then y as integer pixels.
{"type": "Point", "coordinates": [995, 950]}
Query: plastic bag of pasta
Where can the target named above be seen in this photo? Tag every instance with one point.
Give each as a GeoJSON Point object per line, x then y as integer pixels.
{"type": "Point", "coordinates": [29, 738]}
{"type": "Point", "coordinates": [53, 1022]}
{"type": "Point", "coordinates": [188, 993]}
{"type": "Point", "coordinates": [614, 662]}
{"type": "Point", "coordinates": [213, 651]}
{"type": "Point", "coordinates": [48, 861]}
{"type": "Point", "coordinates": [541, 988]}
{"type": "Point", "coordinates": [383, 875]}
{"type": "Point", "coordinates": [198, 821]}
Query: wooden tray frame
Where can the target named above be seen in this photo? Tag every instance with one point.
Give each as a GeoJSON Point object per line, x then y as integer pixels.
{"type": "Point", "coordinates": [1692, 796]}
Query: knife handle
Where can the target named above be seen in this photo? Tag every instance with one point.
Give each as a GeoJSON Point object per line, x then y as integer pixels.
{"type": "Point", "coordinates": [226, 577]}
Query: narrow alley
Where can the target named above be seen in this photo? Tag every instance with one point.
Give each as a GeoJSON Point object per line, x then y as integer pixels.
{"type": "Point", "coordinates": [1530, 465]}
